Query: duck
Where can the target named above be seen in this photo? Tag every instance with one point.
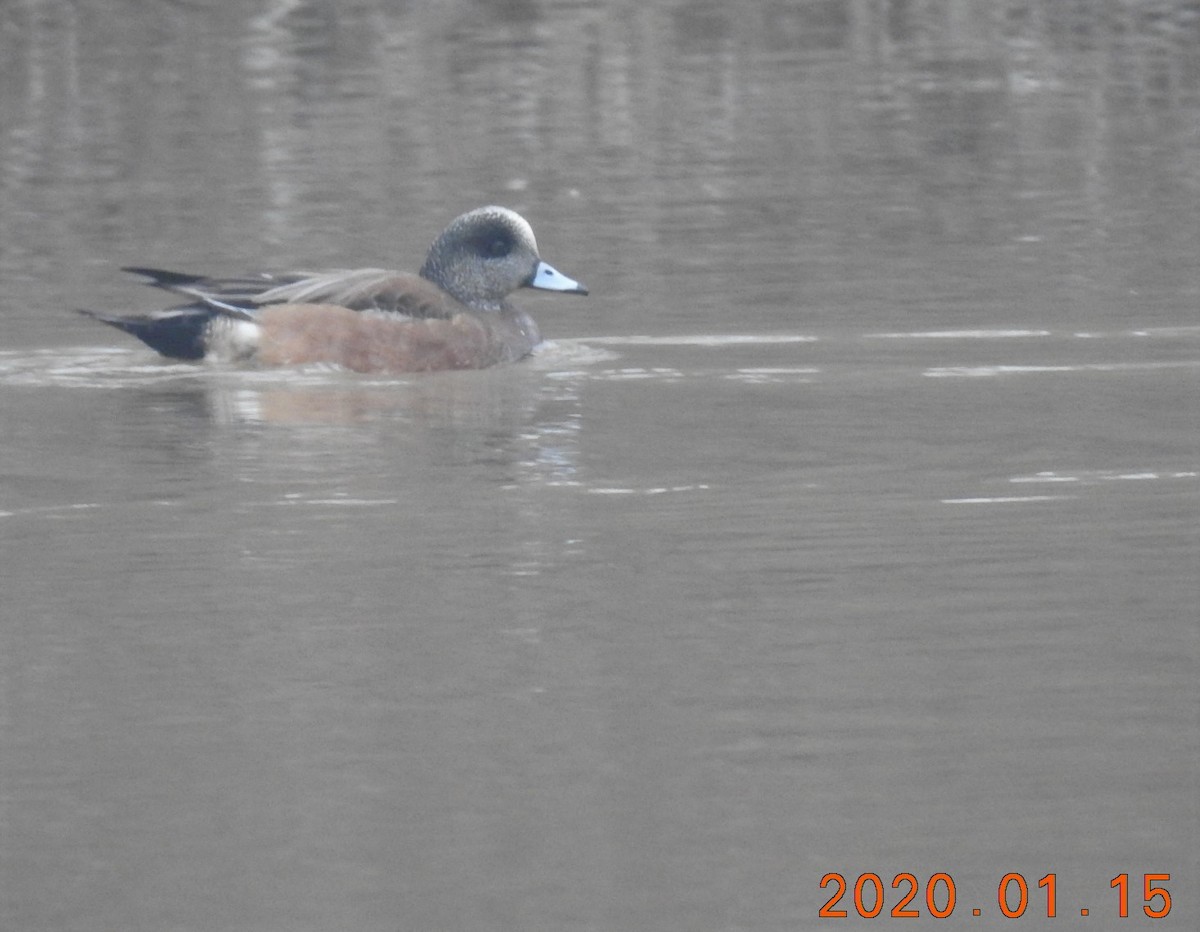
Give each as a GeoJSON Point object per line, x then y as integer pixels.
{"type": "Point", "coordinates": [452, 314]}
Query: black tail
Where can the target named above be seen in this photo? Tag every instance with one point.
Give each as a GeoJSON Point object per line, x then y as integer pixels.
{"type": "Point", "coordinates": [178, 332]}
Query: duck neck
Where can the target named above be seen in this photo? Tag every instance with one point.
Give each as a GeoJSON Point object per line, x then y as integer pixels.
{"type": "Point", "coordinates": [523, 325]}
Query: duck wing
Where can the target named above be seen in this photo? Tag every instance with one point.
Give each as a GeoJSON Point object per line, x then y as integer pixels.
{"type": "Point", "coordinates": [356, 289]}
{"type": "Point", "coordinates": [366, 290]}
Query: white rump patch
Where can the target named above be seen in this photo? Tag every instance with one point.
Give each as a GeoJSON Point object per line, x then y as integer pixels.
{"type": "Point", "coordinates": [231, 339]}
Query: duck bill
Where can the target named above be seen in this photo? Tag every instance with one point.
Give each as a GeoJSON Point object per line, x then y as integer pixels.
{"type": "Point", "coordinates": [548, 278]}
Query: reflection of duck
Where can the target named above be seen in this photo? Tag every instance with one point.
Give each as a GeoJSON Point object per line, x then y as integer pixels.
{"type": "Point", "coordinates": [453, 315]}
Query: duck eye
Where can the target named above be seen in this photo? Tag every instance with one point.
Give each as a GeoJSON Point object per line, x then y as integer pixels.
{"type": "Point", "coordinates": [493, 244]}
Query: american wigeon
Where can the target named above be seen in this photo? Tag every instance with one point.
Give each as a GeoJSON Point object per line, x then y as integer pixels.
{"type": "Point", "coordinates": [454, 314]}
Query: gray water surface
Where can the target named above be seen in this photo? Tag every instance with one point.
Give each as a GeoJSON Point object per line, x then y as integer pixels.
{"type": "Point", "coordinates": [851, 524]}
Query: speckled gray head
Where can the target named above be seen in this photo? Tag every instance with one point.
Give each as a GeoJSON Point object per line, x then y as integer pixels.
{"type": "Point", "coordinates": [488, 253]}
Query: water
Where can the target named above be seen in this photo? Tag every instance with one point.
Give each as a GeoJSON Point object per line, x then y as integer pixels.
{"type": "Point", "coordinates": [849, 525]}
